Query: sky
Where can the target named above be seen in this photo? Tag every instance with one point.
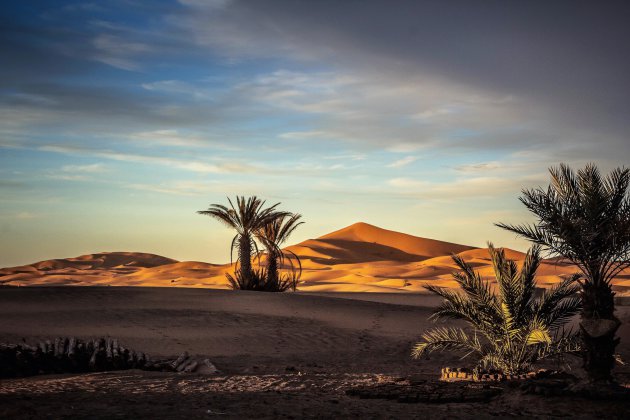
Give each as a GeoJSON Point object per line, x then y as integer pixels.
{"type": "Point", "coordinates": [120, 119]}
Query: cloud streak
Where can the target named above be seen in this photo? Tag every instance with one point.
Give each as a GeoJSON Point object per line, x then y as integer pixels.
{"type": "Point", "coordinates": [402, 162]}
{"type": "Point", "coordinates": [186, 165]}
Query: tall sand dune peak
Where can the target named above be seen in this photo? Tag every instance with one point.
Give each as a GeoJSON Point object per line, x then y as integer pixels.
{"type": "Point", "coordinates": [365, 232]}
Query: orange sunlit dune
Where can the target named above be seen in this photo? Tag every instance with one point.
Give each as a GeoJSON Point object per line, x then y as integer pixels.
{"type": "Point", "coordinates": [358, 258]}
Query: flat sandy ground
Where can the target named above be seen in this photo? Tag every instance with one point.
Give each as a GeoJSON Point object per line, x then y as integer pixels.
{"type": "Point", "coordinates": [288, 355]}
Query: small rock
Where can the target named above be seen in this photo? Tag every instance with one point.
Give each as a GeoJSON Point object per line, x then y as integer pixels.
{"type": "Point", "coordinates": [190, 367]}
{"type": "Point", "coordinates": [210, 367]}
{"type": "Point", "coordinates": [182, 365]}
{"type": "Point", "coordinates": [180, 359]}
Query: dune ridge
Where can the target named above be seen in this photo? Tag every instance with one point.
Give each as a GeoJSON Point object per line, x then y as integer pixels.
{"type": "Point", "coordinates": [357, 258]}
{"type": "Point", "coordinates": [424, 247]}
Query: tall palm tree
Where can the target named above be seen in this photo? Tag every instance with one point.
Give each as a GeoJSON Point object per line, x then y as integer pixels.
{"type": "Point", "coordinates": [246, 218]}
{"type": "Point", "coordinates": [511, 329]}
{"type": "Point", "coordinates": [272, 235]}
{"type": "Point", "coordinates": [586, 220]}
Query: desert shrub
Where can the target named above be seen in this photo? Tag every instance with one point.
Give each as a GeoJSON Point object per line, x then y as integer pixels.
{"type": "Point", "coordinates": [260, 281]}
{"type": "Point", "coordinates": [510, 328]}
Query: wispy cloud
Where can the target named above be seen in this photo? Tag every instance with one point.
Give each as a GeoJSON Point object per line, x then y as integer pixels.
{"type": "Point", "coordinates": [203, 188]}
{"type": "Point", "coordinates": [369, 111]}
{"type": "Point", "coordinates": [26, 215]}
{"type": "Point", "coordinates": [119, 52]}
{"type": "Point", "coordinates": [77, 172]}
{"type": "Point", "coordinates": [67, 177]}
{"type": "Point", "coordinates": [183, 164]}
{"type": "Point", "coordinates": [207, 4]}
{"type": "Point", "coordinates": [344, 156]}
{"type": "Point", "coordinates": [178, 87]}
{"type": "Point", "coordinates": [478, 167]}
{"type": "Point", "coordinates": [177, 138]}
{"type": "Point", "coordinates": [408, 183]}
{"type": "Point", "coordinates": [402, 162]}
{"type": "Point", "coordinates": [162, 189]}
{"type": "Point", "coordinates": [457, 189]}
{"type": "Point", "coordinates": [431, 113]}
{"type": "Point", "coordinates": [92, 168]}
{"type": "Point", "coordinates": [301, 135]}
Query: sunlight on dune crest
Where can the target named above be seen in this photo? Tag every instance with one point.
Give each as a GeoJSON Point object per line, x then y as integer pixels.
{"type": "Point", "coordinates": [357, 258]}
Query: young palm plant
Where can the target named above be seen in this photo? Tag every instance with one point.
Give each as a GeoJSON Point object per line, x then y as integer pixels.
{"type": "Point", "coordinates": [246, 218]}
{"type": "Point", "coordinates": [272, 235]}
{"type": "Point", "coordinates": [511, 328]}
{"type": "Point", "coordinates": [586, 220]}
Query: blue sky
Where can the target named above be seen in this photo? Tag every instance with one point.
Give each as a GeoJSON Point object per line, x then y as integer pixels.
{"type": "Point", "coordinates": [120, 119]}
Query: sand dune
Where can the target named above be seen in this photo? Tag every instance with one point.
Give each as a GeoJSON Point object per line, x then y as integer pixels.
{"type": "Point", "coordinates": [366, 233]}
{"type": "Point", "coordinates": [358, 258]}
{"type": "Point", "coordinates": [92, 269]}
{"type": "Point", "coordinates": [182, 274]}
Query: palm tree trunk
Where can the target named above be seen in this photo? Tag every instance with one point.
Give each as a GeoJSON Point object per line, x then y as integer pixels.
{"type": "Point", "coordinates": [598, 326]}
{"type": "Point", "coordinates": [272, 272]}
{"type": "Point", "coordinates": [245, 258]}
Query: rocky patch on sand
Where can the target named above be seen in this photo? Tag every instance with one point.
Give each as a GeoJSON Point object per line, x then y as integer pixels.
{"type": "Point", "coordinates": [72, 355]}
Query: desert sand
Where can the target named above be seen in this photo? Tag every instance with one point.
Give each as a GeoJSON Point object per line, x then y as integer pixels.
{"type": "Point", "coordinates": [289, 355]}
{"type": "Point", "coordinates": [357, 313]}
{"type": "Point", "coordinates": [358, 258]}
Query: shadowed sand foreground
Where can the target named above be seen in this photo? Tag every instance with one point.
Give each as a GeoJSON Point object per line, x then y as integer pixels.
{"type": "Point", "coordinates": [358, 258]}
{"type": "Point", "coordinates": [280, 355]}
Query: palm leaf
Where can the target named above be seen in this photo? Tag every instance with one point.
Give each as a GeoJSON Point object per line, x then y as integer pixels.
{"type": "Point", "coordinates": [440, 339]}
{"type": "Point", "coordinates": [538, 336]}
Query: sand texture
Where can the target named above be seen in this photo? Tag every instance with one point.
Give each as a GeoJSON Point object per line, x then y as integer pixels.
{"type": "Point", "coordinates": [290, 355]}
{"type": "Point", "coordinates": [358, 258]}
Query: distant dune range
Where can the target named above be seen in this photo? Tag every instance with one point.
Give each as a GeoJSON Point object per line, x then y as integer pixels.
{"type": "Point", "coordinates": [358, 258]}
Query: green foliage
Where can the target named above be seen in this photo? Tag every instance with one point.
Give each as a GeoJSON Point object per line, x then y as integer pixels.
{"type": "Point", "coordinates": [246, 218]}
{"type": "Point", "coordinates": [259, 281]}
{"type": "Point", "coordinates": [584, 218]}
{"type": "Point", "coordinates": [511, 328]}
{"type": "Point", "coordinates": [272, 235]}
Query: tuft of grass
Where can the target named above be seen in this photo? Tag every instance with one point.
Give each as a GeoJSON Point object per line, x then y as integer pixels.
{"type": "Point", "coordinates": [261, 282]}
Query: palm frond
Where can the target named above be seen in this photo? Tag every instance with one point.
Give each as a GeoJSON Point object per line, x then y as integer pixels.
{"type": "Point", "coordinates": [440, 339]}
{"type": "Point", "coordinates": [477, 290]}
{"type": "Point", "coordinates": [538, 336]}
{"type": "Point", "coordinates": [537, 332]}
{"type": "Point", "coordinates": [272, 234]}
{"type": "Point", "coordinates": [584, 218]}
{"type": "Point", "coordinates": [506, 274]}
{"type": "Point", "coordinates": [456, 306]}
{"type": "Point", "coordinates": [526, 284]}
{"type": "Point", "coordinates": [559, 303]}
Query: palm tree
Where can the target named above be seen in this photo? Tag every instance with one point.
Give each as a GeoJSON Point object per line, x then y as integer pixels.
{"type": "Point", "coordinates": [246, 218]}
{"type": "Point", "coordinates": [586, 220]}
{"type": "Point", "coordinates": [512, 329]}
{"type": "Point", "coordinates": [272, 235]}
